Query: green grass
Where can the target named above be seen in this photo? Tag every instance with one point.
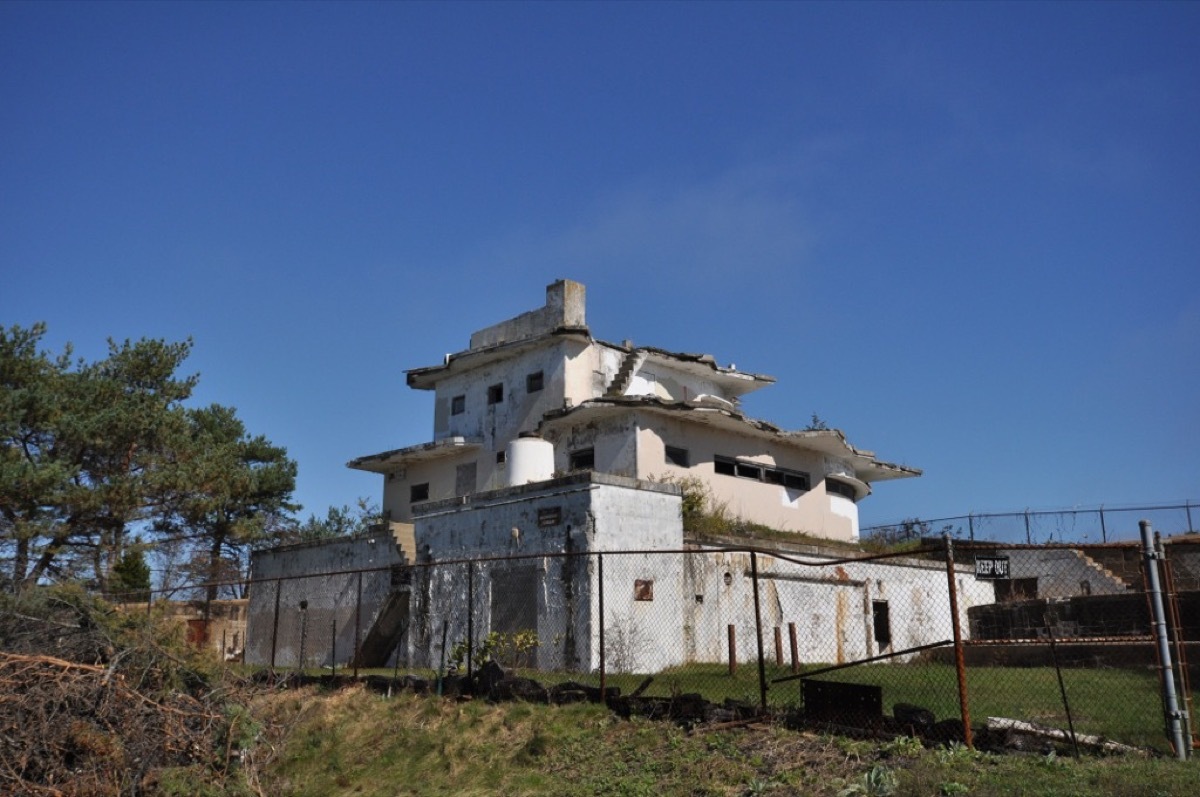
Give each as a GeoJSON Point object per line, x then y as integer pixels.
{"type": "Point", "coordinates": [353, 743]}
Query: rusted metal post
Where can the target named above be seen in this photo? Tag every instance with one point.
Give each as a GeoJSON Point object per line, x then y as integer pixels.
{"type": "Point", "coordinates": [470, 618]}
{"type": "Point", "coordinates": [333, 647]}
{"type": "Point", "coordinates": [778, 646]}
{"type": "Point", "coordinates": [732, 650]}
{"type": "Point", "coordinates": [600, 587]}
{"type": "Point", "coordinates": [758, 634]}
{"type": "Point", "coordinates": [358, 626]}
{"type": "Point", "coordinates": [959, 662]}
{"type": "Point", "coordinates": [1176, 627]}
{"type": "Point", "coordinates": [275, 623]}
{"type": "Point", "coordinates": [1171, 710]}
{"type": "Point", "coordinates": [795, 647]}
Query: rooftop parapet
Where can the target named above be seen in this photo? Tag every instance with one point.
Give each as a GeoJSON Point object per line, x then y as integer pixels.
{"type": "Point", "coordinates": [565, 308]}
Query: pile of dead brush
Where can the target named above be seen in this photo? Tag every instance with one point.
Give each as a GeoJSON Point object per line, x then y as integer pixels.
{"type": "Point", "coordinates": [94, 703]}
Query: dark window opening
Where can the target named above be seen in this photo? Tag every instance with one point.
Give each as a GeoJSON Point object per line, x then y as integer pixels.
{"type": "Point", "coordinates": [836, 487]}
{"type": "Point", "coordinates": [677, 456]}
{"type": "Point", "coordinates": [583, 459]}
{"type": "Point", "coordinates": [749, 471]}
{"type": "Point", "coordinates": [883, 624]}
{"type": "Point", "coordinates": [418, 492]}
{"type": "Point", "coordinates": [534, 382]}
{"type": "Point", "coordinates": [1016, 589]}
{"type": "Point", "coordinates": [458, 405]}
{"type": "Point", "coordinates": [499, 457]}
{"type": "Point", "coordinates": [794, 480]}
{"type": "Point", "coordinates": [496, 394]}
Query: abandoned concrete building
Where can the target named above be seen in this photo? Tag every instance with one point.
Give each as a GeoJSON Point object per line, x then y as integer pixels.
{"type": "Point", "coordinates": [537, 395]}
{"type": "Point", "coordinates": [550, 447]}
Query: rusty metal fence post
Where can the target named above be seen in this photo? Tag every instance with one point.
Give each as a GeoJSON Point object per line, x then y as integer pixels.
{"type": "Point", "coordinates": [959, 661]}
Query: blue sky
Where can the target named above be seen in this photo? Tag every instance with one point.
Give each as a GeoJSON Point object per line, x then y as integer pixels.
{"type": "Point", "coordinates": [966, 234]}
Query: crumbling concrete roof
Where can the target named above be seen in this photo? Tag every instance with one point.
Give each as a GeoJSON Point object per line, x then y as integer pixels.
{"type": "Point", "coordinates": [826, 441]}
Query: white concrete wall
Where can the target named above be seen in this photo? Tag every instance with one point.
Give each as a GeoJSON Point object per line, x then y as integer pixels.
{"type": "Point", "coordinates": [642, 516]}
{"type": "Point", "coordinates": [811, 512]}
{"type": "Point", "coordinates": [831, 606]}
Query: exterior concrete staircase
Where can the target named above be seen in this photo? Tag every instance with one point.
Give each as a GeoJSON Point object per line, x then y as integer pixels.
{"type": "Point", "coordinates": [620, 383]}
{"type": "Point", "coordinates": [1101, 571]}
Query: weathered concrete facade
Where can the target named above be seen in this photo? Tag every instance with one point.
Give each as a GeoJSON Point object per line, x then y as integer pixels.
{"type": "Point", "coordinates": [625, 410]}
{"type": "Point", "coordinates": [526, 559]}
{"type": "Point", "coordinates": [311, 591]}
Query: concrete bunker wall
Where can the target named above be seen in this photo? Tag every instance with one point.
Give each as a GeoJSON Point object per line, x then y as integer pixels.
{"type": "Point", "coordinates": [325, 577]}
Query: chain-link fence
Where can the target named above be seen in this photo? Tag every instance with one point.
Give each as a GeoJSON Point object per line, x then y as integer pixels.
{"type": "Point", "coordinates": [1079, 526]}
{"type": "Point", "coordinates": [996, 644]}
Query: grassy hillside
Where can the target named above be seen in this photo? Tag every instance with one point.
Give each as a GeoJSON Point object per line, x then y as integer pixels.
{"type": "Point", "coordinates": [351, 742]}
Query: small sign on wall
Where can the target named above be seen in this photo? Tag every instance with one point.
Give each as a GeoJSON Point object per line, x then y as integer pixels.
{"type": "Point", "coordinates": [643, 590]}
{"type": "Point", "coordinates": [550, 516]}
{"type": "Point", "coordinates": [991, 567]}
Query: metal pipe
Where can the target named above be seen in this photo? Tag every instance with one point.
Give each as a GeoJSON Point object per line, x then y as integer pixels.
{"type": "Point", "coordinates": [778, 646]}
{"type": "Point", "coordinates": [1175, 627]}
{"type": "Point", "coordinates": [275, 623]}
{"type": "Point", "coordinates": [795, 647]}
{"type": "Point", "coordinates": [358, 626]}
{"type": "Point", "coordinates": [603, 673]}
{"type": "Point", "coordinates": [1174, 717]}
{"type": "Point", "coordinates": [470, 619]}
{"type": "Point", "coordinates": [849, 664]}
{"type": "Point", "coordinates": [1062, 687]}
{"type": "Point", "coordinates": [959, 662]}
{"type": "Point", "coordinates": [762, 664]}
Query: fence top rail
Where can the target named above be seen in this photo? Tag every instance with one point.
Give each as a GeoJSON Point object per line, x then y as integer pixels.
{"type": "Point", "coordinates": [970, 516]}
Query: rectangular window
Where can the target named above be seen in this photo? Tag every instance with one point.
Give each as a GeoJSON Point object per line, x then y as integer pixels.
{"type": "Point", "coordinates": [496, 393]}
{"type": "Point", "coordinates": [418, 492]}
{"type": "Point", "coordinates": [499, 457]}
{"type": "Point", "coordinates": [792, 479]}
{"type": "Point", "coordinates": [534, 382]}
{"type": "Point", "coordinates": [583, 459]}
{"type": "Point", "coordinates": [749, 471]}
{"type": "Point", "coordinates": [795, 481]}
{"type": "Point", "coordinates": [677, 456]}
{"type": "Point", "coordinates": [458, 405]}
{"type": "Point", "coordinates": [883, 624]}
